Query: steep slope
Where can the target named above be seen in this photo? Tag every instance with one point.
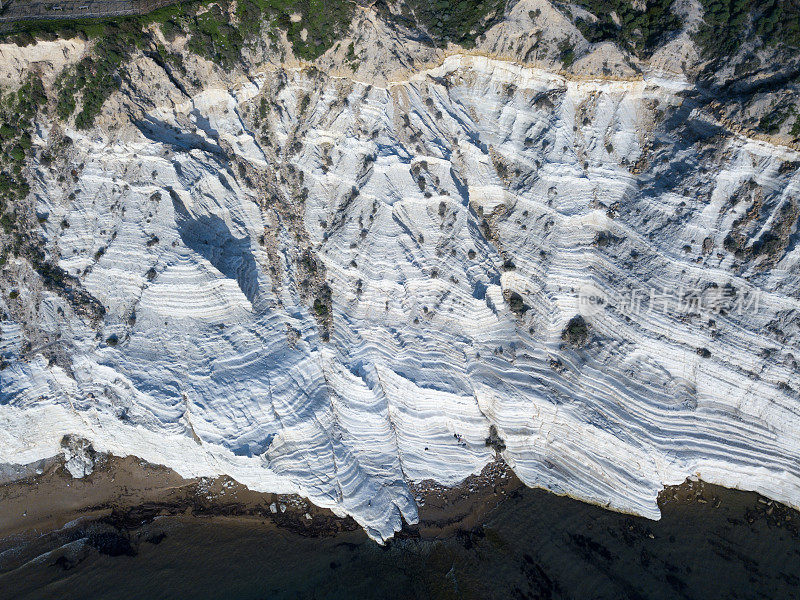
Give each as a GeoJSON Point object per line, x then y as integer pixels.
{"type": "Point", "coordinates": [329, 287]}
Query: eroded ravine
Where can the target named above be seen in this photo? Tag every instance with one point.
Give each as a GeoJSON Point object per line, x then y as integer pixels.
{"type": "Point", "coordinates": [460, 219]}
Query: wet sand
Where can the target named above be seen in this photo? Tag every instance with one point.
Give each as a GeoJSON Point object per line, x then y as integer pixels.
{"type": "Point", "coordinates": [128, 492]}
{"type": "Point", "coordinates": [139, 531]}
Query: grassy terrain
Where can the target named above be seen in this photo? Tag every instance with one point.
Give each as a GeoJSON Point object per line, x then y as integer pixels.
{"type": "Point", "coordinates": [773, 121]}
{"type": "Point", "coordinates": [83, 89]}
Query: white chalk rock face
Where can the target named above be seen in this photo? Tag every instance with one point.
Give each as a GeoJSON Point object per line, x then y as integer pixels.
{"type": "Point", "coordinates": [78, 456]}
{"type": "Point", "coordinates": [324, 287]}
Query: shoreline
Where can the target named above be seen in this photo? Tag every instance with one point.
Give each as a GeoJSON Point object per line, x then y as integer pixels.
{"type": "Point", "coordinates": [127, 493]}
{"type": "Point", "coordinates": [491, 537]}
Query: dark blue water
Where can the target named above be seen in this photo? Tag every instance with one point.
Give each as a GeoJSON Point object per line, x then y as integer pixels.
{"type": "Point", "coordinates": [719, 544]}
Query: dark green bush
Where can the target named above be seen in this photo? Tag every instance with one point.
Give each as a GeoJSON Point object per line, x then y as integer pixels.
{"type": "Point", "coordinates": [576, 333]}
{"type": "Point", "coordinates": [17, 110]}
{"type": "Point", "coordinates": [638, 30]}
{"type": "Point", "coordinates": [457, 21]}
{"type": "Point", "coordinates": [728, 22]}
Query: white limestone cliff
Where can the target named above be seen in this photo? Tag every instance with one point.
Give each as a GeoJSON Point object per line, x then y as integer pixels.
{"type": "Point", "coordinates": [461, 217]}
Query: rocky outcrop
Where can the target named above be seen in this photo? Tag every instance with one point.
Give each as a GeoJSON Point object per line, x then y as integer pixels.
{"type": "Point", "coordinates": [334, 287]}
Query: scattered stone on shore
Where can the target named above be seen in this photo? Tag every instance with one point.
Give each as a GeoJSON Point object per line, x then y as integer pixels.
{"type": "Point", "coordinates": [79, 456]}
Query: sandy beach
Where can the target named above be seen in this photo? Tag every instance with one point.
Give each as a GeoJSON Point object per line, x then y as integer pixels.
{"type": "Point", "coordinates": [489, 537]}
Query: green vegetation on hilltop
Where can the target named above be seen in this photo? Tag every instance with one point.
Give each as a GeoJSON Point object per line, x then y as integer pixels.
{"type": "Point", "coordinates": [83, 88]}
{"type": "Point", "coordinates": [219, 31]}
{"type": "Point", "coordinates": [93, 79]}
{"type": "Point", "coordinates": [566, 52]}
{"type": "Point", "coordinates": [769, 33]}
{"type": "Point", "coordinates": [460, 22]}
{"type": "Point", "coordinates": [216, 29]}
{"type": "Point", "coordinates": [17, 110]}
{"type": "Point", "coordinates": [325, 21]}
{"type": "Point", "coordinates": [773, 121]}
{"type": "Point", "coordinates": [619, 21]}
{"type": "Point", "coordinates": [726, 24]}
{"type": "Point", "coordinates": [779, 23]}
